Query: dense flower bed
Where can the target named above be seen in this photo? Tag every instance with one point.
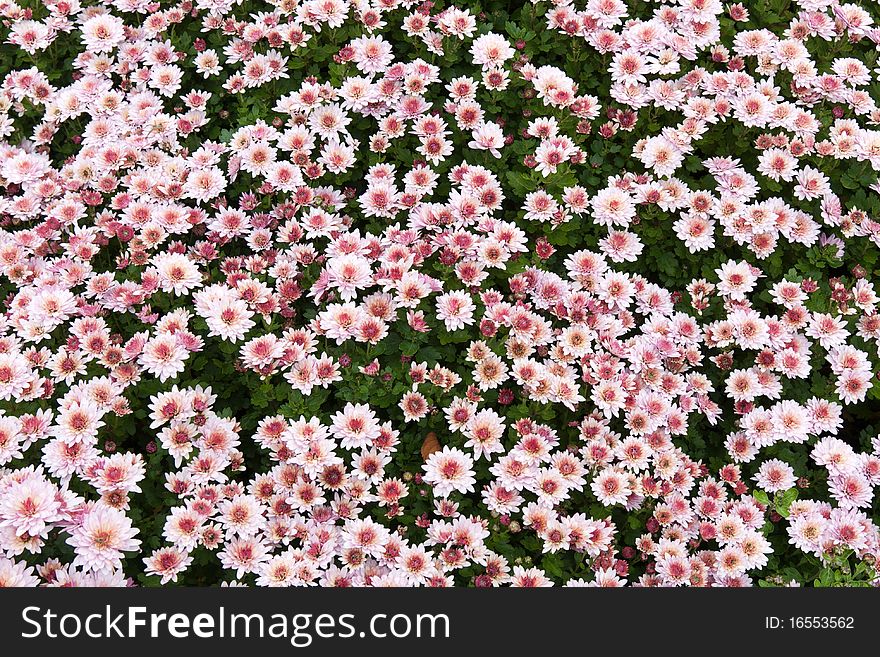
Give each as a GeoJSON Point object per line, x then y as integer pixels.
{"type": "Point", "coordinates": [389, 293]}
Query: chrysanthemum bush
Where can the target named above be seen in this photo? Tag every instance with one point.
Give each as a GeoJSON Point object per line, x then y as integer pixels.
{"type": "Point", "coordinates": [390, 293]}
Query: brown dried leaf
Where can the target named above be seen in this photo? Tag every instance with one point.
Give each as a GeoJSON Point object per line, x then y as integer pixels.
{"type": "Point", "coordinates": [430, 445]}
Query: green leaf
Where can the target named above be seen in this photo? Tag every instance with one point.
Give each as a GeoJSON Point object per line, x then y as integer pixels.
{"type": "Point", "coordinates": [520, 183]}
{"type": "Point", "coordinates": [783, 501]}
